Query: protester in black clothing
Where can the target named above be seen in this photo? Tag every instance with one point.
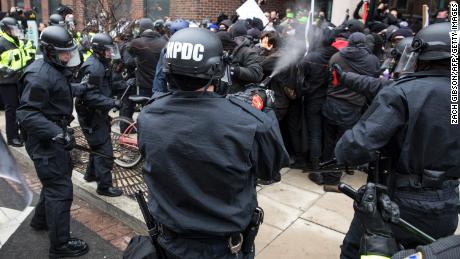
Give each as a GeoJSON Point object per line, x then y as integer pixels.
{"type": "Point", "coordinates": [146, 50]}
{"type": "Point", "coordinates": [314, 90]}
{"type": "Point", "coordinates": [244, 60]}
{"type": "Point", "coordinates": [343, 107]}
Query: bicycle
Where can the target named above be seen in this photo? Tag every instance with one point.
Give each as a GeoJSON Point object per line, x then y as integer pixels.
{"type": "Point", "coordinates": [124, 136]}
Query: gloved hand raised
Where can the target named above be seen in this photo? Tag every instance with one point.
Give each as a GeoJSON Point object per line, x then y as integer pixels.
{"type": "Point", "coordinates": [376, 212]}
{"type": "Point", "coordinates": [336, 75]}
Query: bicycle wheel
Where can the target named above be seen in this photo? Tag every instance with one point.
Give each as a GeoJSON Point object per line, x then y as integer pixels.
{"type": "Point", "coordinates": [124, 142]}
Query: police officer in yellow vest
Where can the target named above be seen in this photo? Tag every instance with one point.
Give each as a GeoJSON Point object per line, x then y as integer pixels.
{"type": "Point", "coordinates": [13, 59]}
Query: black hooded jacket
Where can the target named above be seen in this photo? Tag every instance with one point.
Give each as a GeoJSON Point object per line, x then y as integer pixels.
{"type": "Point", "coordinates": [249, 63]}
{"type": "Point", "coordinates": [316, 72]}
{"type": "Point", "coordinates": [146, 50]}
{"type": "Point", "coordinates": [358, 60]}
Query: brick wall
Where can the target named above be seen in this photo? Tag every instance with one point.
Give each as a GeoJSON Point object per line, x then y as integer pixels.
{"type": "Point", "coordinates": [187, 9]}
{"type": "Point", "coordinates": [209, 9]}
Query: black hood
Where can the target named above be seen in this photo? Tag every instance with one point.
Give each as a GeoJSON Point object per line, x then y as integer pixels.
{"type": "Point", "coordinates": [357, 59]}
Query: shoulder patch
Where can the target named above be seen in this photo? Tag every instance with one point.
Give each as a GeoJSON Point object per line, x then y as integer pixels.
{"type": "Point", "coordinates": [249, 109]}
{"type": "Point", "coordinates": [37, 94]}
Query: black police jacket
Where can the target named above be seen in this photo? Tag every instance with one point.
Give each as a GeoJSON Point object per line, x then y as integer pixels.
{"type": "Point", "coordinates": [202, 155]}
{"type": "Point", "coordinates": [46, 103]}
{"type": "Point", "coordinates": [411, 118]}
{"type": "Point", "coordinates": [93, 106]}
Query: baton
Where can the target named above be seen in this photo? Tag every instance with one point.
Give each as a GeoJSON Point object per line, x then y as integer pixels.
{"type": "Point", "coordinates": [352, 193]}
{"type": "Point", "coordinates": [83, 148]}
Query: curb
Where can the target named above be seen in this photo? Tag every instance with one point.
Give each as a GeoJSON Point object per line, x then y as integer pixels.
{"type": "Point", "coordinates": [122, 208]}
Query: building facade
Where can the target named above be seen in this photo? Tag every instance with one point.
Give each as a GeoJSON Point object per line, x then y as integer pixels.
{"type": "Point", "coordinates": [200, 9]}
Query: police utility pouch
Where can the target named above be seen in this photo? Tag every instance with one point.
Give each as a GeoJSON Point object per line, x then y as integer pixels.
{"type": "Point", "coordinates": [433, 179]}
{"type": "Point", "coordinates": [251, 231]}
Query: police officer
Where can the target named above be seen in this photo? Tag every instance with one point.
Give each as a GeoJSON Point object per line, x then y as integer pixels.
{"type": "Point", "coordinates": [13, 58]}
{"type": "Point", "coordinates": [410, 122]}
{"type": "Point", "coordinates": [56, 19]}
{"type": "Point", "coordinates": [203, 153]}
{"type": "Point", "coordinates": [45, 111]}
{"type": "Point", "coordinates": [92, 109]}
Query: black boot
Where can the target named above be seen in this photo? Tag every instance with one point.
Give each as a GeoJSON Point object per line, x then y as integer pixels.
{"type": "Point", "coordinates": [89, 178]}
{"type": "Point", "coordinates": [111, 191]}
{"type": "Point", "coordinates": [72, 248]}
{"type": "Point", "coordinates": [38, 227]}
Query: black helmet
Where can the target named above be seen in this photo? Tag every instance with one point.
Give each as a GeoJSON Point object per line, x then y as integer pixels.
{"type": "Point", "coordinates": [10, 26]}
{"type": "Point", "coordinates": [145, 24]}
{"type": "Point", "coordinates": [433, 42]}
{"type": "Point", "coordinates": [64, 10]}
{"type": "Point", "coordinates": [195, 52]}
{"type": "Point", "coordinates": [55, 40]}
{"type": "Point", "coordinates": [100, 42]}
{"type": "Point", "coordinates": [56, 19]}
{"type": "Point", "coordinates": [159, 25]}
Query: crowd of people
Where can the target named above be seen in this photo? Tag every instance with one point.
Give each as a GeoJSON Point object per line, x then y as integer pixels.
{"type": "Point", "coordinates": [340, 92]}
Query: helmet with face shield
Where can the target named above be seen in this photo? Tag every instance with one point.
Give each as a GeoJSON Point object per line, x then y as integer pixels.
{"type": "Point", "coordinates": [430, 44]}
{"type": "Point", "coordinates": [58, 47]}
{"type": "Point", "coordinates": [10, 26]}
{"type": "Point", "coordinates": [102, 44]}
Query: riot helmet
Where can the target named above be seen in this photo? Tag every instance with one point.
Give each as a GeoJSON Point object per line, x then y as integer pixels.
{"type": "Point", "coordinates": [145, 24]}
{"type": "Point", "coordinates": [58, 47]}
{"type": "Point", "coordinates": [102, 44]}
{"type": "Point", "coordinates": [395, 54]}
{"type": "Point", "coordinates": [56, 19]}
{"type": "Point", "coordinates": [10, 26]}
{"type": "Point", "coordinates": [196, 53]}
{"type": "Point", "coordinates": [178, 25]}
{"type": "Point", "coordinates": [159, 26]}
{"type": "Point", "coordinates": [432, 43]}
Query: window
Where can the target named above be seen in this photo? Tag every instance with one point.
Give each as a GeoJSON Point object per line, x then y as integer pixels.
{"type": "Point", "coordinates": [121, 9]}
{"type": "Point", "coordinates": [53, 5]}
{"type": "Point", "coordinates": [156, 9]}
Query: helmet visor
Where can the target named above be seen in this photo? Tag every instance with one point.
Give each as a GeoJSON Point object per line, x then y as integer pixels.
{"type": "Point", "coordinates": [15, 31]}
{"type": "Point", "coordinates": [114, 52]}
{"type": "Point", "coordinates": [68, 57]}
{"type": "Point", "coordinates": [407, 61]}
{"type": "Point", "coordinates": [15, 196]}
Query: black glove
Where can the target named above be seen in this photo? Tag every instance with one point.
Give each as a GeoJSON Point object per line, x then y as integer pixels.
{"type": "Point", "coordinates": [376, 211]}
{"type": "Point", "coordinates": [235, 71]}
{"type": "Point", "coordinates": [131, 82]}
{"type": "Point", "coordinates": [68, 140]}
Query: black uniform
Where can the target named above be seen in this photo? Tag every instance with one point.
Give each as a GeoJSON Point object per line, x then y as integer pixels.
{"type": "Point", "coordinates": [45, 109]}
{"type": "Point", "coordinates": [92, 109]}
{"type": "Point", "coordinates": [411, 119]}
{"type": "Point", "coordinates": [202, 155]}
